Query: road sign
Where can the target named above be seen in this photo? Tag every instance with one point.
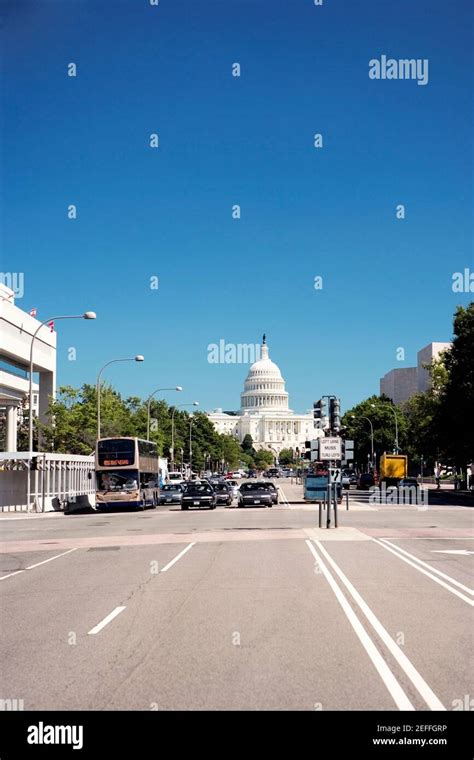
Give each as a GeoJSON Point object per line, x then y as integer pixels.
{"type": "Point", "coordinates": [336, 474]}
{"type": "Point", "coordinates": [349, 445]}
{"type": "Point", "coordinates": [314, 444]}
{"type": "Point", "coordinates": [329, 448]}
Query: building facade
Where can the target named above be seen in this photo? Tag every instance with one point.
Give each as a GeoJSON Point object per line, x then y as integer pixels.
{"type": "Point", "coordinates": [264, 411]}
{"type": "Point", "coordinates": [401, 384]}
{"type": "Point", "coordinates": [17, 328]}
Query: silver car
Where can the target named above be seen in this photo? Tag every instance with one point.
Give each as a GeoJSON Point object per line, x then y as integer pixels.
{"type": "Point", "coordinates": [234, 487]}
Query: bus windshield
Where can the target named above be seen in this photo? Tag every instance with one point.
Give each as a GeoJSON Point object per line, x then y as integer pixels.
{"type": "Point", "coordinates": [110, 480]}
{"type": "Point", "coordinates": [116, 451]}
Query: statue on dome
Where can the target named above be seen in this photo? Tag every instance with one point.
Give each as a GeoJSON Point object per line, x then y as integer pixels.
{"type": "Point", "coordinates": [264, 339]}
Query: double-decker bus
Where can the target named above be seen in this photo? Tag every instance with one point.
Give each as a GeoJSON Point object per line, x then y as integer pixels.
{"type": "Point", "coordinates": [127, 473]}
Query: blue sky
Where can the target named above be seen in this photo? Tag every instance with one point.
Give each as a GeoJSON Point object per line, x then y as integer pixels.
{"type": "Point", "coordinates": [249, 141]}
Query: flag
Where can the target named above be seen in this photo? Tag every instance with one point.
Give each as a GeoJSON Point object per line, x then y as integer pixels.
{"type": "Point", "coordinates": [33, 312]}
{"type": "Point", "coordinates": [51, 326]}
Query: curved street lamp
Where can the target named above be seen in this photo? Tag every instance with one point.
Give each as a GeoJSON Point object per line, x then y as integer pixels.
{"type": "Point", "coordinates": [86, 315]}
{"type": "Point", "coordinates": [137, 358]}
{"type": "Point", "coordinates": [150, 397]}
{"type": "Point", "coordinates": [374, 406]}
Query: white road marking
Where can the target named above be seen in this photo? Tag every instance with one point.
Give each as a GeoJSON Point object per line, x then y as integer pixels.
{"type": "Point", "coordinates": [429, 574]}
{"type": "Point", "coordinates": [178, 556]}
{"type": "Point", "coordinates": [106, 620]}
{"type": "Point", "coordinates": [283, 496]}
{"type": "Point", "coordinates": [396, 692]}
{"type": "Point", "coordinates": [433, 569]}
{"type": "Point", "coordinates": [51, 559]}
{"type": "Point", "coordinates": [417, 680]}
{"type": "Point", "coordinates": [31, 567]}
{"type": "Point", "coordinates": [452, 551]}
{"type": "Point", "coordinates": [10, 574]}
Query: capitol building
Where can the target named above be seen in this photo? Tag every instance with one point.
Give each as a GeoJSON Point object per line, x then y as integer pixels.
{"type": "Point", "coordinates": [264, 413]}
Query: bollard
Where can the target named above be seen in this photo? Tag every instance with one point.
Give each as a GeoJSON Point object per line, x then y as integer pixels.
{"type": "Point", "coordinates": [320, 515]}
{"type": "Point", "coordinates": [347, 500]}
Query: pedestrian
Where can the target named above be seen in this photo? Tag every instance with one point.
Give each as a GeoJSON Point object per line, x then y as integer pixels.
{"type": "Point", "coordinates": [437, 474]}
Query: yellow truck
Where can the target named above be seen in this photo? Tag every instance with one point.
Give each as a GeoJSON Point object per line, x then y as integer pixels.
{"type": "Point", "coordinates": [392, 468]}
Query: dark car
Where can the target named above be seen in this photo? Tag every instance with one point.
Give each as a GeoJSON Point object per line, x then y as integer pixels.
{"type": "Point", "coordinates": [255, 494]}
{"type": "Point", "coordinates": [366, 480]}
{"type": "Point", "coordinates": [273, 491]}
{"type": "Point", "coordinates": [198, 494]}
{"type": "Point", "coordinates": [273, 472]}
{"type": "Point", "coordinates": [223, 493]}
{"type": "Point", "coordinates": [251, 474]}
{"type": "Point", "coordinates": [171, 494]}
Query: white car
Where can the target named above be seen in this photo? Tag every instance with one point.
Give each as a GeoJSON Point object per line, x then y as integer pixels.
{"type": "Point", "coordinates": [175, 478]}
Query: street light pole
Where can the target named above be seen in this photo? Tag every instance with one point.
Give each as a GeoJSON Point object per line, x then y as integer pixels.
{"type": "Point", "coordinates": [353, 416]}
{"type": "Point", "coordinates": [86, 315]}
{"type": "Point", "coordinates": [190, 446]}
{"type": "Point", "coordinates": [194, 403]}
{"type": "Point", "coordinates": [137, 358]}
{"type": "Point", "coordinates": [374, 406]}
{"type": "Point", "coordinates": [176, 388]}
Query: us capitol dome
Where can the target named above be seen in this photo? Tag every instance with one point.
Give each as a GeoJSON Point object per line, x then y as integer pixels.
{"type": "Point", "coordinates": [264, 412]}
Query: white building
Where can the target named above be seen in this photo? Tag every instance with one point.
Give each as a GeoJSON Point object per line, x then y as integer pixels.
{"type": "Point", "coordinates": [17, 328]}
{"type": "Point", "coordinates": [401, 384]}
{"type": "Point", "coordinates": [264, 412]}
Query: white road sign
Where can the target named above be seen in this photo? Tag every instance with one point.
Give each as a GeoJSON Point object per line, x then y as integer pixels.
{"type": "Point", "coordinates": [329, 448]}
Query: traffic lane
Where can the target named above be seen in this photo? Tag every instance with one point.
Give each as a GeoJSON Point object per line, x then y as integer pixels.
{"type": "Point", "coordinates": [48, 612]}
{"type": "Point", "coordinates": [453, 558]}
{"type": "Point", "coordinates": [13, 563]}
{"type": "Point", "coordinates": [237, 626]}
{"type": "Point", "coordinates": [432, 625]}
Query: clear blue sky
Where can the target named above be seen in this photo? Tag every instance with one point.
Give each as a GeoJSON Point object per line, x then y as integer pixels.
{"type": "Point", "coordinates": [247, 141]}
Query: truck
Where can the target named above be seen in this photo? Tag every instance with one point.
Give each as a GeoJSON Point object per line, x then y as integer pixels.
{"type": "Point", "coordinates": [392, 468]}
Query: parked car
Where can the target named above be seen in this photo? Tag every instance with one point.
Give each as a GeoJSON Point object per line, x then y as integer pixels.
{"type": "Point", "coordinates": [171, 493]}
{"type": "Point", "coordinates": [255, 494]}
{"type": "Point", "coordinates": [366, 480]}
{"type": "Point", "coordinates": [223, 493]}
{"type": "Point", "coordinates": [273, 490]}
{"type": "Point", "coordinates": [273, 472]}
{"type": "Point", "coordinates": [198, 494]}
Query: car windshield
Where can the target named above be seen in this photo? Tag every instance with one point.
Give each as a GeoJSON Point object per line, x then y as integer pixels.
{"type": "Point", "coordinates": [271, 486]}
{"type": "Point", "coordinates": [221, 487]}
{"type": "Point", "coordinates": [199, 488]}
{"type": "Point", "coordinates": [254, 487]}
{"type": "Point", "coordinates": [171, 488]}
{"type": "Point", "coordinates": [123, 480]}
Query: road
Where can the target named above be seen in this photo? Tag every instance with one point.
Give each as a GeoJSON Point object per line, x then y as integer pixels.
{"type": "Point", "coordinates": [238, 609]}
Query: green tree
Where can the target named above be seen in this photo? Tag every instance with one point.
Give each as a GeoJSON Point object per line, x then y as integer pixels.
{"type": "Point", "coordinates": [456, 408]}
{"type": "Point", "coordinates": [380, 411]}
{"type": "Point", "coordinates": [286, 456]}
{"type": "Point", "coordinates": [264, 459]}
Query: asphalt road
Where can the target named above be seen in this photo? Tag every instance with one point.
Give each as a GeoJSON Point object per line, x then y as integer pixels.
{"type": "Point", "coordinates": [238, 609]}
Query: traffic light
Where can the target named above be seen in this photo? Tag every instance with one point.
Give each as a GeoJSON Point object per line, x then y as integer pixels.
{"type": "Point", "coordinates": [334, 414]}
{"type": "Point", "coordinates": [319, 411]}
